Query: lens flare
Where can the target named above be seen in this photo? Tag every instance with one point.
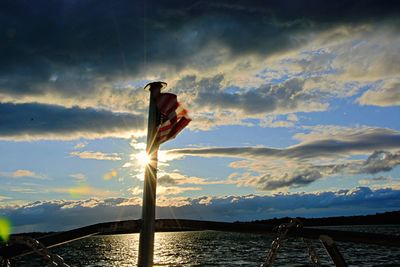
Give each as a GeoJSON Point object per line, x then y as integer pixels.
{"type": "Point", "coordinates": [5, 229]}
{"type": "Point", "coordinates": [143, 158]}
{"type": "Point", "coordinates": [78, 191]}
{"type": "Point", "coordinates": [109, 175]}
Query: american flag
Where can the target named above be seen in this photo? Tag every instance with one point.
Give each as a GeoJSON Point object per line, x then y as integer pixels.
{"type": "Point", "coordinates": [173, 117]}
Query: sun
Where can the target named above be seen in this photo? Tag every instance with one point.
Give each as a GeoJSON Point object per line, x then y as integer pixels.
{"type": "Point", "coordinates": [143, 158]}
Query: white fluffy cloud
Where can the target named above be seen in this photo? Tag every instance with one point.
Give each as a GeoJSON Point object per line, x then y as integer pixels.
{"type": "Point", "coordinates": [22, 173]}
{"type": "Point", "coordinates": [61, 215]}
{"type": "Point", "coordinates": [175, 183]}
{"type": "Point", "coordinates": [79, 177]}
{"type": "Point", "coordinates": [176, 178]}
{"type": "Point", "coordinates": [95, 155]}
{"type": "Point", "coordinates": [385, 94]}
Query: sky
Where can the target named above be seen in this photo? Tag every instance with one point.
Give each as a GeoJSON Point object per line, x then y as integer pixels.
{"type": "Point", "coordinates": [294, 108]}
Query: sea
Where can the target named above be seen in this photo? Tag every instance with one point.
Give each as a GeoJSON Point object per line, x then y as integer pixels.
{"type": "Point", "coordinates": [213, 248]}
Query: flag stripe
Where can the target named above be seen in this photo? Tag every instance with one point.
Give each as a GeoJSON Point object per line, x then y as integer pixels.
{"type": "Point", "coordinates": [169, 123]}
{"type": "Point", "coordinates": [174, 118]}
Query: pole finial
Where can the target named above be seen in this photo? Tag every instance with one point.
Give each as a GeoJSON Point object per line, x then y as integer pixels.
{"type": "Point", "coordinates": [155, 85]}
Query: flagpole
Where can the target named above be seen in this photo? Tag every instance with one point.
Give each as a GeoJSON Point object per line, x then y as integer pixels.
{"type": "Point", "coordinates": [146, 240]}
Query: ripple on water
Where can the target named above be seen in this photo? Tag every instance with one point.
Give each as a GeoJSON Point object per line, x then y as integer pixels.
{"type": "Point", "coordinates": [210, 248]}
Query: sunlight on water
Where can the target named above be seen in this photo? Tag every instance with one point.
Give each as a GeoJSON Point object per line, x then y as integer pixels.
{"type": "Point", "coordinates": [210, 248]}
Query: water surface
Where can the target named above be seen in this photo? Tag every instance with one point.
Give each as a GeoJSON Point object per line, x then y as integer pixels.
{"type": "Point", "coordinates": [211, 248]}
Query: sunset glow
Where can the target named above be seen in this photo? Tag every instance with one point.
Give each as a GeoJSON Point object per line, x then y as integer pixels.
{"type": "Point", "coordinates": [142, 158]}
{"type": "Point", "coordinates": [293, 107]}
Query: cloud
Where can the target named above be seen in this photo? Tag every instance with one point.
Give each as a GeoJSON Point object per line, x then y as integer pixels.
{"type": "Point", "coordinates": [176, 178]}
{"type": "Point", "coordinates": [175, 183]}
{"type": "Point", "coordinates": [274, 182]}
{"type": "Point", "coordinates": [71, 61]}
{"type": "Point", "coordinates": [315, 144]}
{"type": "Point", "coordinates": [324, 151]}
{"type": "Point", "coordinates": [379, 161]}
{"type": "Point", "coordinates": [23, 190]}
{"type": "Point", "coordinates": [386, 95]}
{"type": "Point", "coordinates": [283, 98]}
{"type": "Point", "coordinates": [381, 179]}
{"type": "Point", "coordinates": [135, 191]}
{"type": "Point", "coordinates": [62, 214]}
{"type": "Point", "coordinates": [378, 179]}
{"type": "Point", "coordinates": [95, 155]}
{"type": "Point", "coordinates": [4, 198]}
{"type": "Point", "coordinates": [79, 177]}
{"type": "Point", "coordinates": [342, 60]}
{"type": "Point", "coordinates": [84, 190]}
{"type": "Point", "coordinates": [215, 103]}
{"type": "Point", "coordinates": [278, 178]}
{"type": "Point", "coordinates": [175, 190]}
{"type": "Point", "coordinates": [166, 180]}
{"type": "Point", "coordinates": [80, 145]}
{"type": "Point", "coordinates": [38, 121]}
{"type": "Point", "coordinates": [22, 174]}
{"type": "Point", "coordinates": [274, 121]}
{"type": "Point", "coordinates": [338, 62]}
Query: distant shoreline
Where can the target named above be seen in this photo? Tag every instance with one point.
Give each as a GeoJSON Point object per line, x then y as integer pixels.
{"type": "Point", "coordinates": [385, 218]}
{"type": "Point", "coordinates": [392, 217]}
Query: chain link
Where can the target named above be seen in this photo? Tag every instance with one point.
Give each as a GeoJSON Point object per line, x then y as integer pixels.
{"type": "Point", "coordinates": [39, 248]}
{"type": "Point", "coordinates": [5, 262]}
{"type": "Point", "coordinates": [283, 229]}
{"type": "Point", "coordinates": [312, 253]}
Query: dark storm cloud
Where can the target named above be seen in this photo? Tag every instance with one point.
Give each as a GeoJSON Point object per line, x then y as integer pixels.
{"type": "Point", "coordinates": [37, 121]}
{"type": "Point", "coordinates": [62, 215]}
{"type": "Point", "coordinates": [73, 43]}
{"type": "Point", "coordinates": [282, 98]}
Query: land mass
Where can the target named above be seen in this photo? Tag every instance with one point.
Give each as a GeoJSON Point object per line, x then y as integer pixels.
{"type": "Point", "coordinates": [392, 217]}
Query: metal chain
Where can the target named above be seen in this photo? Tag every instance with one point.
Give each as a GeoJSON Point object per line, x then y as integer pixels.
{"type": "Point", "coordinates": [5, 262]}
{"type": "Point", "coordinates": [312, 253]}
{"type": "Point", "coordinates": [39, 248]}
{"type": "Point", "coordinates": [283, 229]}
